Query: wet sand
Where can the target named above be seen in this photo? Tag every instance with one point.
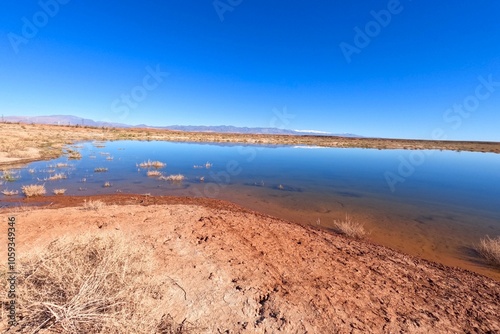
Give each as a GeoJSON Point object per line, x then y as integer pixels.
{"type": "Point", "coordinates": [426, 236]}
{"type": "Point", "coordinates": [387, 226]}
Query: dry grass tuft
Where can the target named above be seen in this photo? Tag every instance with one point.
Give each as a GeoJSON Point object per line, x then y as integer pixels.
{"type": "Point", "coordinates": [61, 165]}
{"type": "Point", "coordinates": [74, 155]}
{"type": "Point", "coordinates": [93, 205]}
{"type": "Point", "coordinates": [59, 191]}
{"type": "Point", "coordinates": [59, 176]}
{"type": "Point", "coordinates": [153, 173]}
{"type": "Point", "coordinates": [149, 164]}
{"type": "Point", "coordinates": [490, 249]}
{"type": "Point", "coordinates": [92, 284]}
{"type": "Point", "coordinates": [10, 176]}
{"type": "Point", "coordinates": [107, 184]}
{"type": "Point", "coordinates": [350, 228]}
{"type": "Point", "coordinates": [173, 178]}
{"type": "Point", "coordinates": [7, 192]}
{"type": "Point", "coordinates": [100, 170]}
{"type": "Point", "coordinates": [33, 190]}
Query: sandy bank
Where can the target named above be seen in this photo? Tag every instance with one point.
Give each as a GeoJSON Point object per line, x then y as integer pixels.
{"type": "Point", "coordinates": [233, 269]}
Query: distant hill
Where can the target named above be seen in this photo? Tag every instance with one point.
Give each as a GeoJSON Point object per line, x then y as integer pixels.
{"type": "Point", "coordinates": [62, 120]}
{"type": "Point", "coordinates": [74, 120]}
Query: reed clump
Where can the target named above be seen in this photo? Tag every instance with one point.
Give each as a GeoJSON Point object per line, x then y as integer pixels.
{"type": "Point", "coordinates": [33, 190]}
{"type": "Point", "coordinates": [152, 164]}
{"type": "Point", "coordinates": [349, 228]}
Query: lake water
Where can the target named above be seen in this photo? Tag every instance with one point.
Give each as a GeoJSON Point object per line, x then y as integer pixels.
{"type": "Point", "coordinates": [435, 204]}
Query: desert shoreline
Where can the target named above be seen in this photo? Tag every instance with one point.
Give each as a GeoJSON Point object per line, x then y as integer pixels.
{"type": "Point", "coordinates": [283, 272]}
{"type": "Point", "coordinates": [23, 143]}
{"type": "Point", "coordinates": [38, 142]}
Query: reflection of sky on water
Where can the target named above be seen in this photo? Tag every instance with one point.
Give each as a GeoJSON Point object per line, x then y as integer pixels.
{"type": "Point", "coordinates": [467, 180]}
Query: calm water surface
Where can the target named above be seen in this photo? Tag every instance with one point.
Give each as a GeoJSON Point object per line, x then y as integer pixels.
{"type": "Point", "coordinates": [438, 207]}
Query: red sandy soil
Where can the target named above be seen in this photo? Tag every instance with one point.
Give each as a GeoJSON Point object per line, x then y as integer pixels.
{"type": "Point", "coordinates": [232, 270]}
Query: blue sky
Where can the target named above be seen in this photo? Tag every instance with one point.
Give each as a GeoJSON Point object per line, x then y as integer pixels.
{"type": "Point", "coordinates": [402, 69]}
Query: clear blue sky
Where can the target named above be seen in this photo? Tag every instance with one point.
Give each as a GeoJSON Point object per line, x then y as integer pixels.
{"type": "Point", "coordinates": [233, 62]}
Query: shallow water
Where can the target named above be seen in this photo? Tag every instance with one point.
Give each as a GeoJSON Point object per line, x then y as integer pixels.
{"type": "Point", "coordinates": [442, 203]}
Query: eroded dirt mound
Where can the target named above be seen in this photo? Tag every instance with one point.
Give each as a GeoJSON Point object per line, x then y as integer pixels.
{"type": "Point", "coordinates": [229, 271]}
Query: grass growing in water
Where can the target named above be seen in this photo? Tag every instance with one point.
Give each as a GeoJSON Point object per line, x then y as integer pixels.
{"type": "Point", "coordinates": [59, 191]}
{"type": "Point", "coordinates": [153, 173]}
{"type": "Point", "coordinates": [350, 228]}
{"type": "Point", "coordinates": [74, 155]}
{"type": "Point", "coordinates": [33, 190]}
{"type": "Point", "coordinates": [489, 249]}
{"type": "Point", "coordinates": [154, 164]}
{"type": "Point", "coordinates": [59, 176]}
{"type": "Point", "coordinates": [7, 192]}
{"type": "Point", "coordinates": [9, 176]}
{"type": "Point", "coordinates": [173, 178]}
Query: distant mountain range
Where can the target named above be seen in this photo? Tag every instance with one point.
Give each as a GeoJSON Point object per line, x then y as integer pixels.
{"type": "Point", "coordinates": [74, 120]}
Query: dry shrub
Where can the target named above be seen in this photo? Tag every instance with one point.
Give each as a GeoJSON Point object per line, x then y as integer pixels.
{"type": "Point", "coordinates": [489, 249]}
{"type": "Point", "coordinates": [350, 228]}
{"type": "Point", "coordinates": [92, 284]}
{"type": "Point", "coordinates": [33, 190]}
{"type": "Point", "coordinates": [93, 205]}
